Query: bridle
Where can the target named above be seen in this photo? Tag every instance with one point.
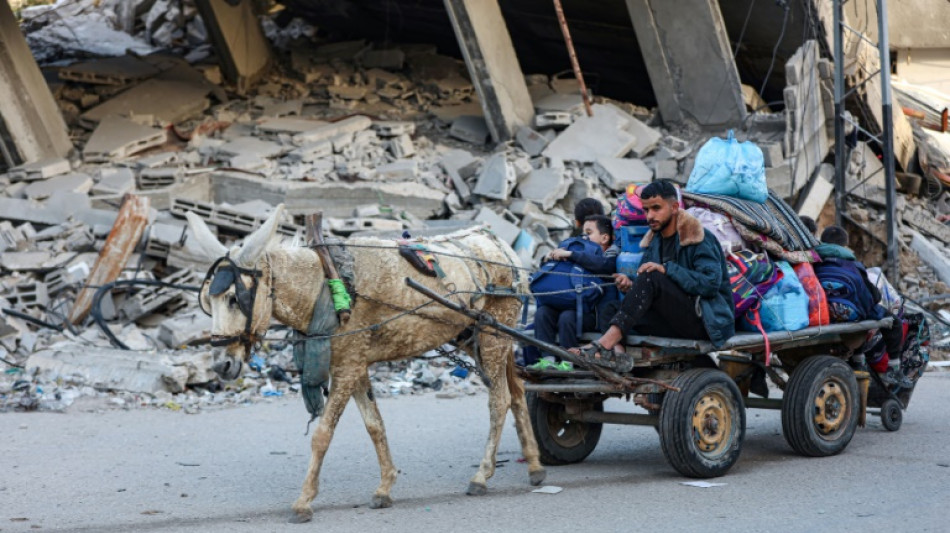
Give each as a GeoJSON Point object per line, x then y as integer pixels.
{"type": "Point", "coordinates": [222, 275]}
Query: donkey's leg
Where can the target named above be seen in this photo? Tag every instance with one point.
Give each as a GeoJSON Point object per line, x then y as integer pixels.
{"type": "Point", "coordinates": [342, 387]}
{"type": "Point", "coordinates": [519, 408]}
{"type": "Point", "coordinates": [493, 363]}
{"type": "Point", "coordinates": [374, 426]}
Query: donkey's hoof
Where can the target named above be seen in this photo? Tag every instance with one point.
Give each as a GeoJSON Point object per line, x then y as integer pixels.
{"type": "Point", "coordinates": [477, 489]}
{"type": "Point", "coordinates": [380, 502]}
{"type": "Point", "coordinates": [537, 477]}
{"type": "Point", "coordinates": [301, 516]}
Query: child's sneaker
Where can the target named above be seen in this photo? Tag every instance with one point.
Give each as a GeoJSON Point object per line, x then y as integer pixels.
{"type": "Point", "coordinates": [564, 366]}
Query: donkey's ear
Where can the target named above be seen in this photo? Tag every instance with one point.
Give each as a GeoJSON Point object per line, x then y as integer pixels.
{"type": "Point", "coordinates": [256, 243]}
{"type": "Point", "coordinates": [206, 240]}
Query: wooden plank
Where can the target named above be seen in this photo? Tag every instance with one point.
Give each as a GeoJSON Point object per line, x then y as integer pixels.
{"type": "Point", "coordinates": [125, 235]}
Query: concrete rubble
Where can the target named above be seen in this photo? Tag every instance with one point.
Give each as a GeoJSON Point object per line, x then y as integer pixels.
{"type": "Point", "coordinates": [379, 138]}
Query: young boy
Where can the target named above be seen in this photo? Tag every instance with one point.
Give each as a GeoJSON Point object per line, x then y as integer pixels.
{"type": "Point", "coordinates": [560, 327]}
{"type": "Point", "coordinates": [583, 209]}
{"type": "Point", "coordinates": [834, 247]}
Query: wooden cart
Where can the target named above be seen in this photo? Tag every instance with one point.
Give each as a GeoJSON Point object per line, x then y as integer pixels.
{"type": "Point", "coordinates": [696, 397]}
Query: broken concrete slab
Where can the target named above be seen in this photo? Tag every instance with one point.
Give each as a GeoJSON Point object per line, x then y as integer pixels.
{"type": "Point", "coordinates": [117, 137]}
{"type": "Point", "coordinates": [647, 138]}
{"type": "Point", "coordinates": [167, 101]}
{"type": "Point", "coordinates": [933, 255]}
{"type": "Point", "coordinates": [289, 125]}
{"type": "Point", "coordinates": [400, 170]}
{"type": "Point", "coordinates": [326, 132]}
{"type": "Point", "coordinates": [816, 196]}
{"type": "Point", "coordinates": [104, 368]}
{"type": "Point", "coordinates": [250, 146]}
{"type": "Point", "coordinates": [114, 181]}
{"type": "Point", "coordinates": [392, 128]}
{"type": "Point", "coordinates": [618, 172]}
{"type": "Point", "coordinates": [591, 138]}
{"type": "Point", "coordinates": [503, 225]}
{"type": "Point", "coordinates": [496, 178]}
{"type": "Point", "coordinates": [42, 169]}
{"type": "Point", "coordinates": [121, 70]}
{"type": "Point", "coordinates": [392, 59]}
{"type": "Point", "coordinates": [471, 129]}
{"type": "Point", "coordinates": [26, 261]}
{"type": "Point", "coordinates": [30, 211]}
{"type": "Point", "coordinates": [233, 217]}
{"type": "Point", "coordinates": [310, 152]}
{"type": "Point", "coordinates": [402, 146]}
{"type": "Point", "coordinates": [235, 31]}
{"type": "Point", "coordinates": [185, 329]}
{"type": "Point", "coordinates": [532, 142]}
{"type": "Point", "coordinates": [75, 182]}
{"type": "Point", "coordinates": [545, 187]}
{"type": "Point", "coordinates": [927, 223]}
{"type": "Point", "coordinates": [124, 237]}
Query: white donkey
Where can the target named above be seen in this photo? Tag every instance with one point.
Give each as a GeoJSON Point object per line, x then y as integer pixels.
{"type": "Point", "coordinates": [284, 283]}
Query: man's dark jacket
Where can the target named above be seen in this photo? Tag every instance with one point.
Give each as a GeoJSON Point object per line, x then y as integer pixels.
{"type": "Point", "coordinates": [700, 270]}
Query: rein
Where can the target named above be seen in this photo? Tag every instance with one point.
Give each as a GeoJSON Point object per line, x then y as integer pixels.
{"type": "Point", "coordinates": [222, 275]}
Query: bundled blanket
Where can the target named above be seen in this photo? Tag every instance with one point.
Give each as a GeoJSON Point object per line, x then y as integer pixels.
{"type": "Point", "coordinates": [774, 225]}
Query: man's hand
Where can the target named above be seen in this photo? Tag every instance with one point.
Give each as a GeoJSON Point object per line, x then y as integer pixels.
{"type": "Point", "coordinates": [651, 267]}
{"type": "Point", "coordinates": [559, 255]}
{"type": "Point", "coordinates": [623, 282]}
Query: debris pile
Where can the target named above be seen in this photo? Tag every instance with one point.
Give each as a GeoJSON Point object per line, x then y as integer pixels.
{"type": "Point", "coordinates": [378, 138]}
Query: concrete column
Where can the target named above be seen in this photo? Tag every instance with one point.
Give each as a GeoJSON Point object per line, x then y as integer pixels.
{"type": "Point", "coordinates": [31, 125]}
{"type": "Point", "coordinates": [689, 59]}
{"type": "Point", "coordinates": [492, 65]}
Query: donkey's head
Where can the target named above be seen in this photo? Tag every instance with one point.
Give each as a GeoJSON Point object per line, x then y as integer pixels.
{"type": "Point", "coordinates": [236, 291]}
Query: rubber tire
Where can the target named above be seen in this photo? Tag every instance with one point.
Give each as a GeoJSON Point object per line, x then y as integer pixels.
{"type": "Point", "coordinates": [555, 451]}
{"type": "Point", "coordinates": [891, 415]}
{"type": "Point", "coordinates": [677, 438]}
{"type": "Point", "coordinates": [798, 408]}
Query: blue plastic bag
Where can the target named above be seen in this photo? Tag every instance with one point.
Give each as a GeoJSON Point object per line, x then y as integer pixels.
{"type": "Point", "coordinates": [785, 306]}
{"type": "Point", "coordinates": [730, 168]}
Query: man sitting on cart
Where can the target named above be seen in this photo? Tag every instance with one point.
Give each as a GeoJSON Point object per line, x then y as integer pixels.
{"type": "Point", "coordinates": [681, 289]}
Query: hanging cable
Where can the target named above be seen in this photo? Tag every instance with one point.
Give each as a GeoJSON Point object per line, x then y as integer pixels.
{"type": "Point", "coordinates": [778, 43]}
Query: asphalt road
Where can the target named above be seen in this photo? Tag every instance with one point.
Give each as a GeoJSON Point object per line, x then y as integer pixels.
{"type": "Point", "coordinates": [239, 470]}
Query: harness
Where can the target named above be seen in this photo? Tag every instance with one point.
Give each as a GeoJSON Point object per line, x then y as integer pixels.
{"type": "Point", "coordinates": [222, 275]}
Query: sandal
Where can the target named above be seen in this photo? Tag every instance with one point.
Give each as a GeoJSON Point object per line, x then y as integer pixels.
{"type": "Point", "coordinates": [596, 354]}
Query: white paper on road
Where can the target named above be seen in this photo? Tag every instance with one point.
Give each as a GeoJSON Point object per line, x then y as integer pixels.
{"type": "Point", "coordinates": [550, 489]}
{"type": "Point", "coordinates": [701, 484]}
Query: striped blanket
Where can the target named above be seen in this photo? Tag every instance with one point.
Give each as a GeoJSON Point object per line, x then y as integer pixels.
{"type": "Point", "coordinates": [774, 220]}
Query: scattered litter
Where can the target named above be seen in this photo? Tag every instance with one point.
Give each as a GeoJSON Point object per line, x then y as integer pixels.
{"type": "Point", "coordinates": [548, 489]}
{"type": "Point", "coordinates": [701, 484]}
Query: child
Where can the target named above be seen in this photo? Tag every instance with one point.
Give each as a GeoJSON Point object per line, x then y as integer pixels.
{"type": "Point", "coordinates": [583, 209]}
{"type": "Point", "coordinates": [560, 327]}
{"type": "Point", "coordinates": [834, 247]}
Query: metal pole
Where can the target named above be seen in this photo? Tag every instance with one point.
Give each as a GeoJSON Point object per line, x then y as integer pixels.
{"type": "Point", "coordinates": [840, 151]}
{"type": "Point", "coordinates": [887, 135]}
{"type": "Point", "coordinates": [570, 51]}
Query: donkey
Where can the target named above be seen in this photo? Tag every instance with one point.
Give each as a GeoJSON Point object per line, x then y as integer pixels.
{"type": "Point", "coordinates": [284, 282]}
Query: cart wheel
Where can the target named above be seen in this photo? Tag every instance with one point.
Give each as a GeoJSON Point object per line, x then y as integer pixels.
{"type": "Point", "coordinates": [561, 441]}
{"type": "Point", "coordinates": [702, 425]}
{"type": "Point", "coordinates": [820, 411]}
{"type": "Point", "coordinates": [891, 415]}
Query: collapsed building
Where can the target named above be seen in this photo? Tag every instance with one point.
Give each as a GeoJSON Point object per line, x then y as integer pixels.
{"type": "Point", "coordinates": [119, 117]}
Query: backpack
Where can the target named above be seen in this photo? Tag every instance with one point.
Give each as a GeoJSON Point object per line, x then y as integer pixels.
{"type": "Point", "coordinates": [751, 276]}
{"type": "Point", "coordinates": [845, 284]}
{"type": "Point", "coordinates": [571, 284]}
{"type": "Point", "coordinates": [730, 168]}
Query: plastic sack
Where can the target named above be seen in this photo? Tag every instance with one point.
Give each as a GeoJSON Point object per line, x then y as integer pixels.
{"type": "Point", "coordinates": [890, 298]}
{"type": "Point", "coordinates": [719, 225]}
{"type": "Point", "coordinates": [785, 306]}
{"type": "Point", "coordinates": [730, 168]}
{"type": "Point", "coordinates": [817, 301]}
